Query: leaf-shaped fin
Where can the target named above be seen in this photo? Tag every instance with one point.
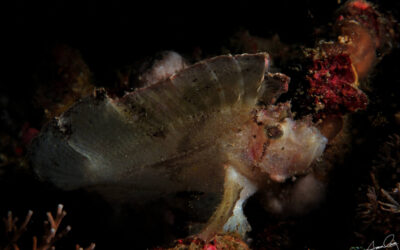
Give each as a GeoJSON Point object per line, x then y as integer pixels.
{"type": "Point", "coordinates": [273, 86]}
{"type": "Point", "coordinates": [53, 157]}
{"type": "Point", "coordinates": [160, 137]}
{"type": "Point", "coordinates": [251, 66]}
{"type": "Point", "coordinates": [223, 82]}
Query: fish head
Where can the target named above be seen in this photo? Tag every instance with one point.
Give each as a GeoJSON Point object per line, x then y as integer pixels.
{"type": "Point", "coordinates": [282, 147]}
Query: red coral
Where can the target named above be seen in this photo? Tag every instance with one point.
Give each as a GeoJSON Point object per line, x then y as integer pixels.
{"type": "Point", "coordinates": [332, 85]}
{"type": "Point", "coordinates": [218, 241]}
{"type": "Point", "coordinates": [360, 5]}
{"type": "Point", "coordinates": [209, 247]}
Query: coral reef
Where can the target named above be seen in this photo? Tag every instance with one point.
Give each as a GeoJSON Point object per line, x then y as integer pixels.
{"type": "Point", "coordinates": [50, 236]}
{"type": "Point", "coordinates": [379, 213]}
{"type": "Point", "coordinates": [219, 241]}
{"type": "Point", "coordinates": [337, 65]}
{"type": "Point", "coordinates": [307, 206]}
{"type": "Point", "coordinates": [333, 85]}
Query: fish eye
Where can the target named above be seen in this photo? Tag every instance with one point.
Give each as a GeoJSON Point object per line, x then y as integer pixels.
{"type": "Point", "coordinates": [273, 132]}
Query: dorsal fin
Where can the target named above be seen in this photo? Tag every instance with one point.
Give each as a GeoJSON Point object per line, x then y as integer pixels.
{"type": "Point", "coordinates": [100, 139]}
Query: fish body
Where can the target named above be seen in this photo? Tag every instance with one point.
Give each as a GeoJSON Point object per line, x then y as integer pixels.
{"type": "Point", "coordinates": [210, 129]}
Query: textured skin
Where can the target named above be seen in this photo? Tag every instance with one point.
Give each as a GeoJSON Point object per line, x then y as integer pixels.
{"type": "Point", "coordinates": [166, 137]}
{"type": "Point", "coordinates": [184, 135]}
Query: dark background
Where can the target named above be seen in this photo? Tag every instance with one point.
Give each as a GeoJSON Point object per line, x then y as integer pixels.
{"type": "Point", "coordinates": [112, 34]}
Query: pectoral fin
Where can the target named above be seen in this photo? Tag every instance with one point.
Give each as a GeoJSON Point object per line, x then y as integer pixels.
{"type": "Point", "coordinates": [229, 216]}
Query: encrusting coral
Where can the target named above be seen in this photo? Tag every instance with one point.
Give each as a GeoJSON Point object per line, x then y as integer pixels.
{"type": "Point", "coordinates": [218, 241]}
